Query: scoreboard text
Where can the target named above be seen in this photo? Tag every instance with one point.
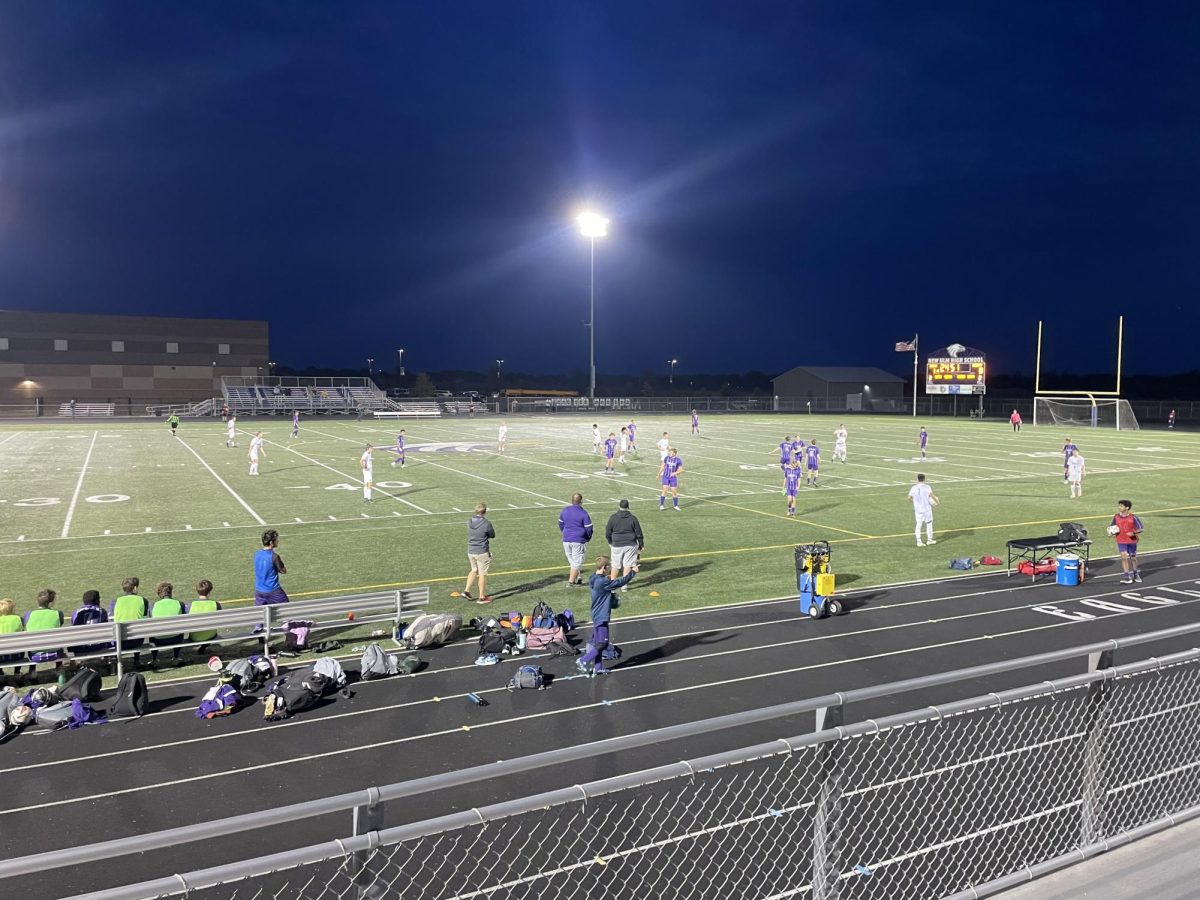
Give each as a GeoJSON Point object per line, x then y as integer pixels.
{"type": "Point", "coordinates": [956, 375]}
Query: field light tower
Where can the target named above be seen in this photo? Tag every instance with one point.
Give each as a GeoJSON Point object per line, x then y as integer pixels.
{"type": "Point", "coordinates": [673, 363]}
{"type": "Point", "coordinates": [592, 225]}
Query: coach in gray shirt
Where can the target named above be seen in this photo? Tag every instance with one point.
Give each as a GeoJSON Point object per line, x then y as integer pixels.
{"type": "Point", "coordinates": [479, 552]}
{"type": "Point", "coordinates": [624, 535]}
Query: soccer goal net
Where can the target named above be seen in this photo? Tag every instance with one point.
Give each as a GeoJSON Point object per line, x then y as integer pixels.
{"type": "Point", "coordinates": [1085, 412]}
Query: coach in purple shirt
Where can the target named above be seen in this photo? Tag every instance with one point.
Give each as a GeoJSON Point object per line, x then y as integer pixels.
{"type": "Point", "coordinates": [576, 527]}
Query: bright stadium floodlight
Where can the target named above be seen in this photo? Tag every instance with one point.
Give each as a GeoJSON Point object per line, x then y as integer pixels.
{"type": "Point", "coordinates": [592, 225]}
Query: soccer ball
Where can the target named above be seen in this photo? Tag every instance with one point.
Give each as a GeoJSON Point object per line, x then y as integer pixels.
{"type": "Point", "coordinates": [1113, 530]}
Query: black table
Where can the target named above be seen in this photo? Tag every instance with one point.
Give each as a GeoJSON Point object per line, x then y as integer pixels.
{"type": "Point", "coordinates": [1037, 549]}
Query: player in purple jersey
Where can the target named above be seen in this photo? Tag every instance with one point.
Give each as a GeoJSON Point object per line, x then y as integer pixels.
{"type": "Point", "coordinates": [798, 448]}
{"type": "Point", "coordinates": [399, 450]}
{"type": "Point", "coordinates": [785, 452]}
{"type": "Point", "coordinates": [669, 472]}
{"type": "Point", "coordinates": [923, 441]}
{"type": "Point", "coordinates": [610, 449]}
{"type": "Point", "coordinates": [295, 423]}
{"type": "Point", "coordinates": [812, 462]}
{"type": "Point", "coordinates": [632, 436]}
{"type": "Point", "coordinates": [696, 422]}
{"type": "Point", "coordinates": [791, 483]}
{"type": "Point", "coordinates": [1068, 449]}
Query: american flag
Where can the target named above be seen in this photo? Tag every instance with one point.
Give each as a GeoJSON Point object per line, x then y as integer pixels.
{"type": "Point", "coordinates": [906, 346]}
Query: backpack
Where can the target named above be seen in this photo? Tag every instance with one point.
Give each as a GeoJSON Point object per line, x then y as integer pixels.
{"type": "Point", "coordinates": [991, 561]}
{"type": "Point", "coordinates": [377, 664]}
{"type": "Point", "coordinates": [132, 696]}
{"type": "Point", "coordinates": [610, 651]}
{"type": "Point", "coordinates": [528, 678]}
{"type": "Point", "coordinates": [1045, 567]}
{"type": "Point", "coordinates": [963, 562]}
{"type": "Point", "coordinates": [1072, 533]}
{"type": "Point", "coordinates": [54, 716]}
{"type": "Point", "coordinates": [566, 620]}
{"type": "Point", "coordinates": [250, 674]}
{"type": "Point", "coordinates": [329, 669]}
{"type": "Point", "coordinates": [295, 635]}
{"type": "Point", "coordinates": [543, 617]}
{"type": "Point", "coordinates": [491, 643]}
{"type": "Point", "coordinates": [222, 699]}
{"type": "Point", "coordinates": [541, 638]}
{"type": "Point", "coordinates": [431, 630]}
{"type": "Point", "coordinates": [561, 648]}
{"type": "Point", "coordinates": [292, 694]}
{"type": "Point", "coordinates": [83, 685]}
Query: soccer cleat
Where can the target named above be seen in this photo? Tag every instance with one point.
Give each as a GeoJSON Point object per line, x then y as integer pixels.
{"type": "Point", "coordinates": [930, 542]}
{"type": "Point", "coordinates": [483, 600]}
{"type": "Point", "coordinates": [1137, 577]}
{"type": "Point", "coordinates": [582, 667]}
{"type": "Point", "coordinates": [920, 544]}
{"type": "Point", "coordinates": [675, 507]}
{"type": "Point", "coordinates": [1128, 579]}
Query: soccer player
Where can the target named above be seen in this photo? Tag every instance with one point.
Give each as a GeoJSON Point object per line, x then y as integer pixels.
{"type": "Point", "coordinates": [174, 423]}
{"type": "Point", "coordinates": [367, 463]}
{"type": "Point", "coordinates": [256, 450]}
{"type": "Point", "coordinates": [295, 423]}
{"type": "Point", "coordinates": [923, 441]}
{"type": "Point", "coordinates": [669, 472]}
{"type": "Point", "coordinates": [624, 441]}
{"type": "Point", "coordinates": [1015, 419]}
{"type": "Point", "coordinates": [791, 483]}
{"type": "Point", "coordinates": [1126, 528]}
{"type": "Point", "coordinates": [632, 436]}
{"type": "Point", "coordinates": [399, 450]}
{"type": "Point", "coordinates": [839, 443]}
{"type": "Point", "coordinates": [610, 447]}
{"type": "Point", "coordinates": [1171, 419]}
{"type": "Point", "coordinates": [502, 438]}
{"type": "Point", "coordinates": [664, 444]}
{"type": "Point", "coordinates": [798, 448]}
{"type": "Point", "coordinates": [595, 438]}
{"type": "Point", "coordinates": [695, 422]}
{"type": "Point", "coordinates": [1075, 473]}
{"type": "Point", "coordinates": [1068, 449]}
{"type": "Point", "coordinates": [812, 462]}
{"type": "Point", "coordinates": [785, 452]}
{"type": "Point", "coordinates": [923, 499]}
{"type": "Point", "coordinates": [231, 431]}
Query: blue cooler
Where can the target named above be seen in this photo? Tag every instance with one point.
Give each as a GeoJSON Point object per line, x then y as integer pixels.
{"type": "Point", "coordinates": [1068, 569]}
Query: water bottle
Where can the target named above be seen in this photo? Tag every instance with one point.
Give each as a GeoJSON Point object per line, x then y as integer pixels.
{"type": "Point", "coordinates": [521, 639]}
{"type": "Point", "coordinates": [476, 699]}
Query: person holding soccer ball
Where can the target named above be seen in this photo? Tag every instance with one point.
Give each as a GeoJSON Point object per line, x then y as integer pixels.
{"type": "Point", "coordinates": [1126, 528]}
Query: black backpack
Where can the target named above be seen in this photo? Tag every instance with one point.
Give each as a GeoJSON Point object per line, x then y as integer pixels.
{"type": "Point", "coordinates": [84, 685]}
{"type": "Point", "coordinates": [491, 642]}
{"type": "Point", "coordinates": [292, 694]}
{"type": "Point", "coordinates": [132, 696]}
{"type": "Point", "coordinates": [1072, 532]}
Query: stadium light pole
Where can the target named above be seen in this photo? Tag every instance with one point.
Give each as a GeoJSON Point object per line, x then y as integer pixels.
{"type": "Point", "coordinates": [370, 362]}
{"type": "Point", "coordinates": [672, 363]}
{"type": "Point", "coordinates": [499, 363]}
{"type": "Point", "coordinates": [400, 360]}
{"type": "Point", "coordinates": [592, 225]}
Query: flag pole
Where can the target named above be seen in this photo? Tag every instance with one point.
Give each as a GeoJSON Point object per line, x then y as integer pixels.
{"type": "Point", "coordinates": [915, 351]}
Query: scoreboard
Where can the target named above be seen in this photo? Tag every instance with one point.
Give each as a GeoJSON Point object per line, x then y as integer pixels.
{"type": "Point", "coordinates": [956, 373]}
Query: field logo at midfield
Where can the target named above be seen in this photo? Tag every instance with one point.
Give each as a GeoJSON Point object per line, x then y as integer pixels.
{"type": "Point", "coordinates": [451, 447]}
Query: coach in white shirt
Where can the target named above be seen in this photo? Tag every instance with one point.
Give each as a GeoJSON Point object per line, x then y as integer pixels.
{"type": "Point", "coordinates": [923, 499]}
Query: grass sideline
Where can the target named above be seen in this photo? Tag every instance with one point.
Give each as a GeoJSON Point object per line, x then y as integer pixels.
{"type": "Point", "coordinates": [85, 504]}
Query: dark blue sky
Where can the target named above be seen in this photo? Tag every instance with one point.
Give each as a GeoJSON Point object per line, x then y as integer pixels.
{"type": "Point", "coordinates": [789, 182]}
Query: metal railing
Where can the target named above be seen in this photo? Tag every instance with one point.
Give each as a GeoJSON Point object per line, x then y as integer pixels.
{"type": "Point", "coordinates": [252, 623]}
{"type": "Point", "coordinates": [960, 799]}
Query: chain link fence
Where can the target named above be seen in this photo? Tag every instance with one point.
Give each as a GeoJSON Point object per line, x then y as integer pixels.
{"type": "Point", "coordinates": [918, 805]}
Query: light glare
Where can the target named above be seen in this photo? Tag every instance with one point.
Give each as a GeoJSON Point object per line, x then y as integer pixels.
{"type": "Point", "coordinates": [592, 225]}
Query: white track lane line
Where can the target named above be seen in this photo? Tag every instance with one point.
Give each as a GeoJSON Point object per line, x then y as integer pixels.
{"type": "Point", "coordinates": [66, 529]}
{"type": "Point", "coordinates": [317, 462]}
{"type": "Point", "coordinates": [234, 494]}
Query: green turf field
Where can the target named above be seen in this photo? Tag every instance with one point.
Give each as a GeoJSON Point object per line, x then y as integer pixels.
{"type": "Point", "coordinates": [83, 504]}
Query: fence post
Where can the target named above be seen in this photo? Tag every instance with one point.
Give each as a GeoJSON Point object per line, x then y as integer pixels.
{"type": "Point", "coordinates": [267, 615]}
{"type": "Point", "coordinates": [367, 818]}
{"type": "Point", "coordinates": [118, 629]}
{"type": "Point", "coordinates": [1091, 809]}
{"type": "Point", "coordinates": [826, 869]}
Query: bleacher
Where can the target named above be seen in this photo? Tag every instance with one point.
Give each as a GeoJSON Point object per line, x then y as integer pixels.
{"type": "Point", "coordinates": [313, 396]}
{"type": "Point", "coordinates": [409, 409]}
{"type": "Point", "coordinates": [86, 410]}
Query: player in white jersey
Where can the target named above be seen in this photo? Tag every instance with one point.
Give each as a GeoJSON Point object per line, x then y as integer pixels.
{"type": "Point", "coordinates": [367, 463]}
{"type": "Point", "coordinates": [1075, 473]}
{"type": "Point", "coordinates": [664, 444]}
{"type": "Point", "coordinates": [231, 431]}
{"type": "Point", "coordinates": [257, 450]}
{"type": "Point", "coordinates": [624, 443]}
{"type": "Point", "coordinates": [502, 438]}
{"type": "Point", "coordinates": [839, 443]}
{"type": "Point", "coordinates": [923, 499]}
{"type": "Point", "coordinates": [595, 438]}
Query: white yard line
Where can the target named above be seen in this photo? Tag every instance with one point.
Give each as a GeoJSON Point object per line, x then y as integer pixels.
{"type": "Point", "coordinates": [234, 494]}
{"type": "Point", "coordinates": [66, 529]}
{"type": "Point", "coordinates": [317, 462]}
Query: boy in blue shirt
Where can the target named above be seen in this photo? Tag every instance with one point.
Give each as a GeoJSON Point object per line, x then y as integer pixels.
{"type": "Point", "coordinates": [602, 605]}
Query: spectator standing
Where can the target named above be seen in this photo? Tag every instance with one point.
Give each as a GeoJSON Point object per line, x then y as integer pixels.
{"type": "Point", "coordinates": [165, 606]}
{"type": "Point", "coordinates": [1015, 419]}
{"type": "Point", "coordinates": [480, 534]}
{"type": "Point", "coordinates": [576, 527]}
{"type": "Point", "coordinates": [130, 607]}
{"type": "Point", "coordinates": [923, 499]}
{"type": "Point", "coordinates": [625, 540]}
{"type": "Point", "coordinates": [268, 566]}
{"type": "Point", "coordinates": [1126, 529]}
{"type": "Point", "coordinates": [592, 662]}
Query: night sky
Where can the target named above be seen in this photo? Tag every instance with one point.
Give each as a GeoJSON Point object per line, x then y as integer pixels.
{"type": "Point", "coordinates": [789, 183]}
